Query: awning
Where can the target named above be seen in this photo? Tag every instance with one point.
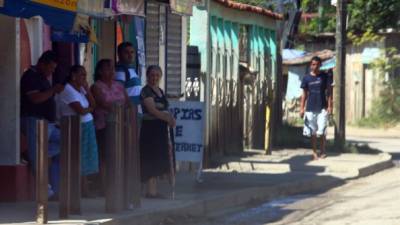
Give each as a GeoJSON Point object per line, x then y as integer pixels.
{"type": "Point", "coordinates": [328, 64]}
{"type": "Point", "coordinates": [369, 55]}
{"type": "Point", "coordinates": [69, 36]}
{"type": "Point", "coordinates": [57, 14]}
{"type": "Point", "coordinates": [289, 54]}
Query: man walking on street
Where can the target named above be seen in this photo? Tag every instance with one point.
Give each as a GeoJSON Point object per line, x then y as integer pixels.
{"type": "Point", "coordinates": [37, 102]}
{"type": "Point", "coordinates": [317, 94]}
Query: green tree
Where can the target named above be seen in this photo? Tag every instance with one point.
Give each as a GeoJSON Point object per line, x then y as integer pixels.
{"type": "Point", "coordinates": [364, 15]}
{"type": "Point", "coordinates": [373, 15]}
{"type": "Point", "coordinates": [325, 22]}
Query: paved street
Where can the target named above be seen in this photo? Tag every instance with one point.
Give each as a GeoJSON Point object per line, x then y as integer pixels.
{"type": "Point", "coordinates": [370, 200]}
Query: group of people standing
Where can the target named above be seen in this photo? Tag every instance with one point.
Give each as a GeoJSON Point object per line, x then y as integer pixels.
{"type": "Point", "coordinates": [114, 85]}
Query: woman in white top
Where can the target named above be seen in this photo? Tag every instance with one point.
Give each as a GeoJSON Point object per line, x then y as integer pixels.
{"type": "Point", "coordinates": [76, 99]}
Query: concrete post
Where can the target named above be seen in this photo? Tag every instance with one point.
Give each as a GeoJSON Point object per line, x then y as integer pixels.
{"type": "Point", "coordinates": [9, 91]}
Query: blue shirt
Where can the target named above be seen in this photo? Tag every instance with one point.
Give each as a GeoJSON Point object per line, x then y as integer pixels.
{"type": "Point", "coordinates": [317, 88]}
{"type": "Point", "coordinates": [132, 83]}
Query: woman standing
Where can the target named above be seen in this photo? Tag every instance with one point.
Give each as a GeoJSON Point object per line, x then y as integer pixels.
{"type": "Point", "coordinates": [107, 92]}
{"type": "Point", "coordinates": [76, 99]}
{"type": "Point", "coordinates": [154, 140]}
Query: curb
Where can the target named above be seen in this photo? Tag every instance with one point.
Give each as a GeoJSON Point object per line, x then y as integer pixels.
{"type": "Point", "coordinates": [229, 200]}
{"type": "Point", "coordinates": [196, 208]}
{"type": "Point", "coordinates": [379, 166]}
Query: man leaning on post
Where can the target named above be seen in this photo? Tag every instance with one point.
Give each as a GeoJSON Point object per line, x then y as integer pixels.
{"type": "Point", "coordinates": [37, 102]}
{"type": "Point", "coordinates": [317, 94]}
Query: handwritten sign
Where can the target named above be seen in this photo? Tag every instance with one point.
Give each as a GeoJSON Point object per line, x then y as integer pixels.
{"type": "Point", "coordinates": [189, 131]}
{"type": "Point", "coordinates": [69, 5]}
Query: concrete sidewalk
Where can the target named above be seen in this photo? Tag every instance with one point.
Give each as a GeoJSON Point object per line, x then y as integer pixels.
{"type": "Point", "coordinates": [236, 182]}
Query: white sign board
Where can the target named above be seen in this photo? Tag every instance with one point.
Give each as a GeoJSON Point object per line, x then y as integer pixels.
{"type": "Point", "coordinates": [189, 131]}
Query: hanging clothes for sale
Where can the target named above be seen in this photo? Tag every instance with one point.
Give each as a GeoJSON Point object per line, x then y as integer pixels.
{"type": "Point", "coordinates": [128, 7]}
{"type": "Point", "coordinates": [109, 8]}
{"type": "Point", "coordinates": [95, 8]}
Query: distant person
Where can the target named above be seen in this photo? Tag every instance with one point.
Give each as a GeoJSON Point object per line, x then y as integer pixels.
{"type": "Point", "coordinates": [76, 99]}
{"type": "Point", "coordinates": [154, 140]}
{"type": "Point", "coordinates": [316, 105]}
{"type": "Point", "coordinates": [37, 102]}
{"type": "Point", "coordinates": [107, 93]}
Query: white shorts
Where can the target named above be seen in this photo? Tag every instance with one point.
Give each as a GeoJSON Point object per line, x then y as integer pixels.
{"type": "Point", "coordinates": [315, 123]}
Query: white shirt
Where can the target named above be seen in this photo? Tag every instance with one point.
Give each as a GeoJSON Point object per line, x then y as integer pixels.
{"type": "Point", "coordinates": [70, 95]}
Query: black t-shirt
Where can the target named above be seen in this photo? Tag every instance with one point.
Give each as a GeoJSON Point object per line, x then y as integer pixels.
{"type": "Point", "coordinates": [160, 102]}
{"type": "Point", "coordinates": [32, 81]}
{"type": "Point", "coordinates": [317, 87]}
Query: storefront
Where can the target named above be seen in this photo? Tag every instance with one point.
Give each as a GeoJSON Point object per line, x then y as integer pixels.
{"type": "Point", "coordinates": [32, 28]}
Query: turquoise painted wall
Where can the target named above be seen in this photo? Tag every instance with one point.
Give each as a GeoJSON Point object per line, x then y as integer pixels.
{"type": "Point", "coordinates": [198, 34]}
{"type": "Point", "coordinates": [224, 40]}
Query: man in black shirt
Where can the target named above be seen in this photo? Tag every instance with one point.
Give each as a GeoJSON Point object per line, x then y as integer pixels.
{"type": "Point", "coordinates": [37, 102]}
{"type": "Point", "coordinates": [316, 105]}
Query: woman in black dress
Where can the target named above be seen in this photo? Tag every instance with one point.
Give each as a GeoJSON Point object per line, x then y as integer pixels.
{"type": "Point", "coordinates": [154, 140]}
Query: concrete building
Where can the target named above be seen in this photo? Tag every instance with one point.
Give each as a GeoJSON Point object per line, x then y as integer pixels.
{"type": "Point", "coordinates": [237, 43]}
{"type": "Point", "coordinates": [163, 37]}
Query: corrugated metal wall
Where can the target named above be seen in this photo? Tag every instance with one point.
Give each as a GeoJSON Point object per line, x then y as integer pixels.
{"type": "Point", "coordinates": [152, 33]}
{"type": "Point", "coordinates": [174, 52]}
{"type": "Point", "coordinates": [164, 29]}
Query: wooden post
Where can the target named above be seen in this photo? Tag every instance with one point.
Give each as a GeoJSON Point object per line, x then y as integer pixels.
{"type": "Point", "coordinates": [137, 182]}
{"type": "Point", "coordinates": [340, 76]}
{"type": "Point", "coordinates": [128, 158]}
{"type": "Point", "coordinates": [131, 160]}
{"type": "Point", "coordinates": [65, 158]}
{"type": "Point", "coordinates": [42, 180]}
{"type": "Point", "coordinates": [75, 165]}
{"type": "Point", "coordinates": [114, 161]}
{"type": "Point", "coordinates": [70, 188]}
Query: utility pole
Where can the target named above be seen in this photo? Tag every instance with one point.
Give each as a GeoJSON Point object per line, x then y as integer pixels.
{"type": "Point", "coordinates": [340, 75]}
{"type": "Point", "coordinates": [277, 98]}
{"type": "Point", "coordinates": [321, 15]}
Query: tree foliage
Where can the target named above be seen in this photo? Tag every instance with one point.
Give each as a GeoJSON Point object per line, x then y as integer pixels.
{"type": "Point", "coordinates": [364, 15]}
{"type": "Point", "coordinates": [325, 23]}
{"type": "Point", "coordinates": [373, 15]}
